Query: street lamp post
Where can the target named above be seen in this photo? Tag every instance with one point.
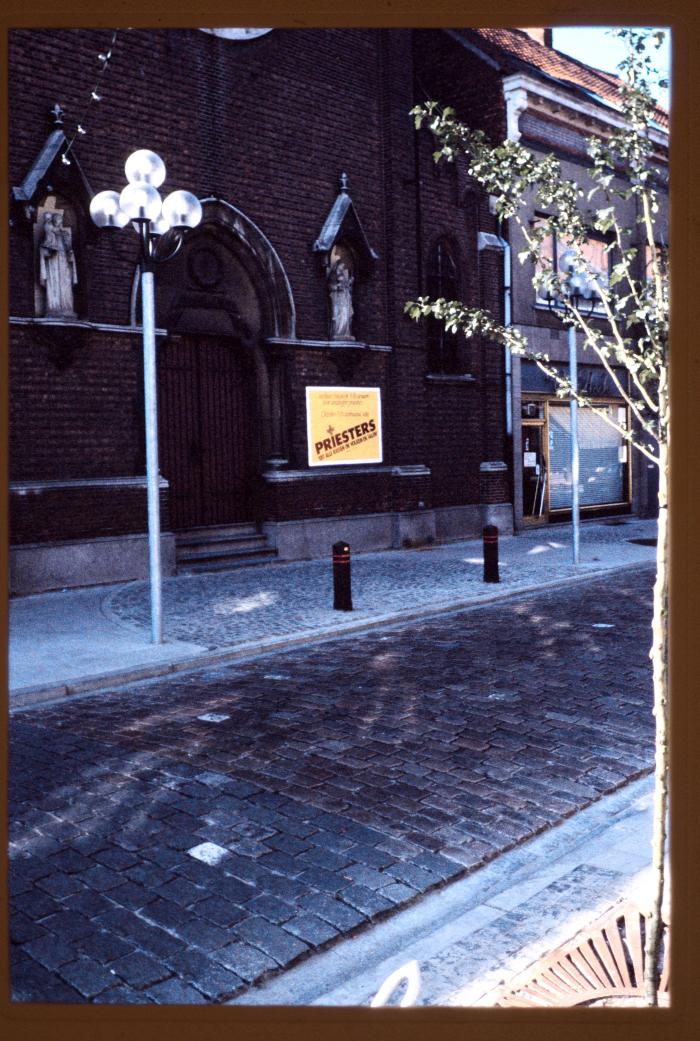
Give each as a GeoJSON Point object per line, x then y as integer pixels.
{"type": "Point", "coordinates": [573, 412]}
{"type": "Point", "coordinates": [577, 288]}
{"type": "Point", "coordinates": [161, 226]}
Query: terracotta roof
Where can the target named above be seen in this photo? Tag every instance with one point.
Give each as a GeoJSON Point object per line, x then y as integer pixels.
{"type": "Point", "coordinates": [514, 46]}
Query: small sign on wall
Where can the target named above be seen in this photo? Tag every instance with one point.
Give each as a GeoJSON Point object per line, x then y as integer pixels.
{"type": "Point", "coordinates": [344, 425]}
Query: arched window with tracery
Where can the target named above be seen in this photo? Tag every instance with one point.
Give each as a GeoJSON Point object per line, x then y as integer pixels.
{"type": "Point", "coordinates": [442, 281]}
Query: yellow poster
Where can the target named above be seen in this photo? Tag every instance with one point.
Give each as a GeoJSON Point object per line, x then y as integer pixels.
{"type": "Point", "coordinates": [344, 425]}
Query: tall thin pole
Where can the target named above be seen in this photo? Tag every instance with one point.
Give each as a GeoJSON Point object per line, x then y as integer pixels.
{"type": "Point", "coordinates": [152, 476]}
{"type": "Point", "coordinates": [573, 407]}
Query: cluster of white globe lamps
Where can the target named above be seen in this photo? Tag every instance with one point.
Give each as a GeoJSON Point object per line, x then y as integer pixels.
{"type": "Point", "coordinates": [140, 201]}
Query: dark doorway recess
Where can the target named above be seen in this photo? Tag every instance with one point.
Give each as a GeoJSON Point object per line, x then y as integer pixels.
{"type": "Point", "coordinates": [206, 425]}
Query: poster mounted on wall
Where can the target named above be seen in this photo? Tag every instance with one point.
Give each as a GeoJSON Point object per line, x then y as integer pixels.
{"type": "Point", "coordinates": [344, 425]}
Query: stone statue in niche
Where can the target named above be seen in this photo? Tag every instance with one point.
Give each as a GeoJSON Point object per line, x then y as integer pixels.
{"type": "Point", "coordinates": [57, 268]}
{"type": "Point", "coordinates": [340, 282]}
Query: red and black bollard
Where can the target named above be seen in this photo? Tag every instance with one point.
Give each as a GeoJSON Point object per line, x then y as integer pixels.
{"type": "Point", "coordinates": [491, 553]}
{"type": "Point", "coordinates": [342, 593]}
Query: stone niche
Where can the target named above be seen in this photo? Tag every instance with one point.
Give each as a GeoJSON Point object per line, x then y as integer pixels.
{"type": "Point", "coordinates": [346, 256]}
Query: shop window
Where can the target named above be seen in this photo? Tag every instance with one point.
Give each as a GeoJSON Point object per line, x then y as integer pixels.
{"type": "Point", "coordinates": [603, 456]}
{"type": "Point", "coordinates": [442, 282]}
{"type": "Point", "coordinates": [594, 252]}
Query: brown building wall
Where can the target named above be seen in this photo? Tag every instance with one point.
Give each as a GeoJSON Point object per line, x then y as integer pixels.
{"type": "Point", "coordinates": [545, 134]}
{"type": "Point", "coordinates": [266, 125]}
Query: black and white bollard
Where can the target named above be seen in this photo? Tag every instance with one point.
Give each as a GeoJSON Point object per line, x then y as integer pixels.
{"type": "Point", "coordinates": [342, 593]}
{"type": "Point", "coordinates": [491, 553]}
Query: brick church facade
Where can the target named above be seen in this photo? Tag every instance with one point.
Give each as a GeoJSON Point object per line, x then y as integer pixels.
{"type": "Point", "coordinates": [300, 147]}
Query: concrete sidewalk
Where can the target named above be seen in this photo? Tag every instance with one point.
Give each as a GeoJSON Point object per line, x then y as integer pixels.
{"type": "Point", "coordinates": [80, 640]}
{"type": "Point", "coordinates": [460, 944]}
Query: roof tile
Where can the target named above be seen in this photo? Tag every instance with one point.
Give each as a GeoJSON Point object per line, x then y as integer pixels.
{"type": "Point", "coordinates": [517, 44]}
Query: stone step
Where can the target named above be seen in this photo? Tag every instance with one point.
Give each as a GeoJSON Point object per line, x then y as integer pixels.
{"type": "Point", "coordinates": [226, 562]}
{"type": "Point", "coordinates": [221, 548]}
{"type": "Point", "coordinates": [234, 544]}
{"type": "Point", "coordinates": [216, 533]}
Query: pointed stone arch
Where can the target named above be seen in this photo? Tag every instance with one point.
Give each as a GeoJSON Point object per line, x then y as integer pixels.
{"type": "Point", "coordinates": [227, 266]}
{"type": "Point", "coordinates": [261, 260]}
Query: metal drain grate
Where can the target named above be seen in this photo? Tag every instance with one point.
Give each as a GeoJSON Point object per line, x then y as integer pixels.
{"type": "Point", "coordinates": [604, 965]}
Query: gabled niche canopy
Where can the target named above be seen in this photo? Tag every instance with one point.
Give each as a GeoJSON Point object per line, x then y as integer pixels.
{"type": "Point", "coordinates": [343, 226]}
{"type": "Point", "coordinates": [49, 173]}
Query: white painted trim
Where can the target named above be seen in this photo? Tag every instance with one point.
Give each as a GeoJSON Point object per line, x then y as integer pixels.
{"type": "Point", "coordinates": [102, 327]}
{"type": "Point", "coordinates": [290, 341]}
{"type": "Point", "coordinates": [359, 469]}
{"type": "Point", "coordinates": [516, 102]}
{"type": "Point", "coordinates": [28, 487]}
{"type": "Point", "coordinates": [517, 87]}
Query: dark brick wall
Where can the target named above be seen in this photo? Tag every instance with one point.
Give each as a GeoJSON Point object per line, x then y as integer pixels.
{"type": "Point", "coordinates": [88, 511]}
{"type": "Point", "coordinates": [455, 421]}
{"type": "Point", "coordinates": [76, 407]}
{"type": "Point", "coordinates": [554, 135]}
{"type": "Point", "coordinates": [465, 422]}
{"type": "Point", "coordinates": [494, 487]}
{"type": "Point", "coordinates": [452, 75]}
{"type": "Point", "coordinates": [327, 496]}
{"type": "Point", "coordinates": [267, 125]}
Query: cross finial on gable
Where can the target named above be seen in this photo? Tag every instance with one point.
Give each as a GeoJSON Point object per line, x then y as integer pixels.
{"type": "Point", "coordinates": [344, 182]}
{"type": "Point", "coordinates": [57, 113]}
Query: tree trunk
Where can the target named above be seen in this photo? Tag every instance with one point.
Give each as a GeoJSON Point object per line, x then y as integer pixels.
{"type": "Point", "coordinates": [659, 657]}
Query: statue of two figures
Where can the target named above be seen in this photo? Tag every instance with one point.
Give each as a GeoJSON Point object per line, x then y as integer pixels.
{"type": "Point", "coordinates": [57, 268]}
{"type": "Point", "coordinates": [341, 277]}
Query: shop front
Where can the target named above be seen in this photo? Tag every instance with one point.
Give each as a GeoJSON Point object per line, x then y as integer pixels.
{"type": "Point", "coordinates": [545, 449]}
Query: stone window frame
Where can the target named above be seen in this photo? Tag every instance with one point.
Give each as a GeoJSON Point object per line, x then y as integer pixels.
{"type": "Point", "coordinates": [443, 348]}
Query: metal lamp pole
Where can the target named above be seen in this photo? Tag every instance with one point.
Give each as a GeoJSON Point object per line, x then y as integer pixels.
{"type": "Point", "coordinates": [577, 287]}
{"type": "Point", "coordinates": [573, 412]}
{"type": "Point", "coordinates": [152, 470]}
{"type": "Point", "coordinates": [161, 226]}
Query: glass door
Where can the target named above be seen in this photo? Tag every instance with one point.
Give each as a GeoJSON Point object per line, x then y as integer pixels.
{"type": "Point", "coordinates": [534, 470]}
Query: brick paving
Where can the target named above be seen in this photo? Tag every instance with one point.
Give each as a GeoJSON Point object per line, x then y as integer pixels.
{"type": "Point", "coordinates": [281, 600]}
{"type": "Point", "coordinates": [333, 784]}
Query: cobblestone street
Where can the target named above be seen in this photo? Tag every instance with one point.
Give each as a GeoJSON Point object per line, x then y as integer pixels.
{"type": "Point", "coordinates": [179, 840]}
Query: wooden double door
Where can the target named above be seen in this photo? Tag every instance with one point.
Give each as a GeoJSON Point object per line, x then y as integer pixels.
{"type": "Point", "coordinates": [207, 430]}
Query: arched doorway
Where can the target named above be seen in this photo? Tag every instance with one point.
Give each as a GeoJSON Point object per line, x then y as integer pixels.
{"type": "Point", "coordinates": [218, 298]}
{"type": "Point", "coordinates": [207, 430]}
